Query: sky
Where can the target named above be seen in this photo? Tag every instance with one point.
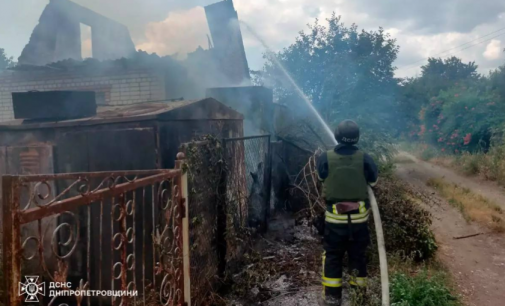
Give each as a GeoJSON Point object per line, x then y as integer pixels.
{"type": "Point", "coordinates": [175, 27]}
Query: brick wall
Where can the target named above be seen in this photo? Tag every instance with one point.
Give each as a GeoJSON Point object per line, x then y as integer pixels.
{"type": "Point", "coordinates": [117, 87]}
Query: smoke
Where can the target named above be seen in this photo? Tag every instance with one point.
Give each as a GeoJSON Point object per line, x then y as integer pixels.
{"type": "Point", "coordinates": [180, 33]}
{"type": "Point", "coordinates": [86, 43]}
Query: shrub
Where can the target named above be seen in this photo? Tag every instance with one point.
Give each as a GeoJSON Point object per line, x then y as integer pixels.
{"type": "Point", "coordinates": [428, 153]}
{"type": "Point", "coordinates": [406, 224]}
{"type": "Point", "coordinates": [421, 290]}
{"type": "Point", "coordinates": [470, 163]}
{"type": "Point", "coordinates": [462, 119]}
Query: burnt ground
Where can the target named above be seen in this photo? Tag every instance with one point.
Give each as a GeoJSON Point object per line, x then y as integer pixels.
{"type": "Point", "coordinates": [283, 269]}
{"type": "Point", "coordinates": [477, 264]}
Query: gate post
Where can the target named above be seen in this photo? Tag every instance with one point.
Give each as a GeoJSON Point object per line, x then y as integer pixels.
{"type": "Point", "coordinates": [185, 228]}
{"type": "Point", "coordinates": [11, 240]}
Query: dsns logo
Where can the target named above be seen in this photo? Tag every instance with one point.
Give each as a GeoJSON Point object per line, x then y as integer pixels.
{"type": "Point", "coordinates": [31, 289]}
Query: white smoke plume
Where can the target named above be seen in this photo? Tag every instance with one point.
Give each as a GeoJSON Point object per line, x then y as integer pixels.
{"type": "Point", "coordinates": [180, 33]}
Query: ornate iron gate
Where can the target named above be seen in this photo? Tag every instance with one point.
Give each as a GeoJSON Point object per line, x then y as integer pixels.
{"type": "Point", "coordinates": [102, 232]}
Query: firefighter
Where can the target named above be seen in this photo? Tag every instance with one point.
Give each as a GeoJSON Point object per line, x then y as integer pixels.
{"type": "Point", "coordinates": [345, 172]}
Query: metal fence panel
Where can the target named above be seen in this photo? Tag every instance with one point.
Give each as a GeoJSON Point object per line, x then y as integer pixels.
{"type": "Point", "coordinates": [248, 180]}
{"type": "Point", "coordinates": [124, 229]}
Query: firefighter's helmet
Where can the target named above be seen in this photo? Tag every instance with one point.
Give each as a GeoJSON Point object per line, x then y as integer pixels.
{"type": "Point", "coordinates": [347, 132]}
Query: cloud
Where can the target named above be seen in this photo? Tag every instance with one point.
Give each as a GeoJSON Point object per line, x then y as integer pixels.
{"type": "Point", "coordinates": [181, 32]}
{"type": "Point", "coordinates": [493, 50]}
{"type": "Point", "coordinates": [422, 28]}
{"type": "Point", "coordinates": [433, 16]}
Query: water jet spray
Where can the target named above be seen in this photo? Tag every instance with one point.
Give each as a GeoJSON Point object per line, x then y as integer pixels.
{"type": "Point", "coordinates": [373, 202]}
{"type": "Point", "coordinates": [293, 83]}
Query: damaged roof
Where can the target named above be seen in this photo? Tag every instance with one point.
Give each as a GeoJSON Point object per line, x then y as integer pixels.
{"type": "Point", "coordinates": [204, 109]}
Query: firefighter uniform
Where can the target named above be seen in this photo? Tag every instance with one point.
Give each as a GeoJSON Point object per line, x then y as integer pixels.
{"type": "Point", "coordinates": [346, 173]}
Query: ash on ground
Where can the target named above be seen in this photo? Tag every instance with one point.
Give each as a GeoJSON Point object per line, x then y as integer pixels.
{"type": "Point", "coordinates": [283, 269]}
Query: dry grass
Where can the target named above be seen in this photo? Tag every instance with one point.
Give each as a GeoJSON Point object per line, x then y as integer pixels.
{"type": "Point", "coordinates": [490, 165]}
{"type": "Point", "coordinates": [473, 207]}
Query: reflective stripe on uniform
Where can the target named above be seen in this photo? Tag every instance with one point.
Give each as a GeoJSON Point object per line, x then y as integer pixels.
{"type": "Point", "coordinates": [324, 260]}
{"type": "Point", "coordinates": [362, 207]}
{"type": "Point", "coordinates": [333, 221]}
{"type": "Point", "coordinates": [358, 281]}
{"type": "Point", "coordinates": [343, 219]}
{"type": "Point", "coordinates": [332, 282]}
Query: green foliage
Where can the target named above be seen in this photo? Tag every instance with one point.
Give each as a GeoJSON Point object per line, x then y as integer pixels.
{"type": "Point", "coordinates": [469, 163]}
{"type": "Point", "coordinates": [429, 153]}
{"type": "Point", "coordinates": [461, 119]}
{"type": "Point", "coordinates": [421, 290]}
{"type": "Point", "coordinates": [345, 72]}
{"type": "Point", "coordinates": [441, 74]}
{"type": "Point", "coordinates": [411, 284]}
{"type": "Point", "coordinates": [5, 62]}
{"type": "Point", "coordinates": [376, 142]}
{"type": "Point", "coordinates": [406, 224]}
{"type": "Point", "coordinates": [437, 75]}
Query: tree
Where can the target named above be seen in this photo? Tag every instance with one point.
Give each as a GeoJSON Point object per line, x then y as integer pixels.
{"type": "Point", "coordinates": [346, 73]}
{"type": "Point", "coordinates": [437, 75]}
{"type": "Point", "coordinates": [441, 74]}
{"type": "Point", "coordinates": [5, 62]}
{"type": "Point", "coordinates": [462, 119]}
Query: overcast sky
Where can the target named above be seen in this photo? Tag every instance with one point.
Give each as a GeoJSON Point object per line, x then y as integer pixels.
{"type": "Point", "coordinates": [422, 28]}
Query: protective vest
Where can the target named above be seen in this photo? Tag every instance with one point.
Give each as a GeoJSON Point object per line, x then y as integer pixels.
{"type": "Point", "coordinates": [346, 182]}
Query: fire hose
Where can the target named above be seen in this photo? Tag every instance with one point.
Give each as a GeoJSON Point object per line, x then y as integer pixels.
{"type": "Point", "coordinates": [382, 248]}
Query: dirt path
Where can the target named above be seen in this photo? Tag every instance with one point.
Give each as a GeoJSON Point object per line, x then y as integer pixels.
{"type": "Point", "coordinates": [477, 263]}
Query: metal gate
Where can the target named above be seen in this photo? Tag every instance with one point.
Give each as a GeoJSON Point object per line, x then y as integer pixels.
{"type": "Point", "coordinates": [96, 238]}
{"type": "Point", "coordinates": [248, 180]}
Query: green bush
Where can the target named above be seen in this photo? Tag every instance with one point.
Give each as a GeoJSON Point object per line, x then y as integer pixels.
{"type": "Point", "coordinates": [406, 224]}
{"type": "Point", "coordinates": [429, 153]}
{"type": "Point", "coordinates": [462, 119]}
{"type": "Point", "coordinates": [470, 163]}
{"type": "Point", "coordinates": [421, 290]}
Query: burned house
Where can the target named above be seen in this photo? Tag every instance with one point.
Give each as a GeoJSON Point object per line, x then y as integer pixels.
{"type": "Point", "coordinates": [58, 36]}
{"type": "Point", "coordinates": [114, 82]}
{"type": "Point", "coordinates": [228, 45]}
{"type": "Point", "coordinates": [255, 102]}
{"type": "Point", "coordinates": [140, 136]}
{"type": "Point", "coordinates": [130, 137]}
{"type": "Point", "coordinates": [117, 73]}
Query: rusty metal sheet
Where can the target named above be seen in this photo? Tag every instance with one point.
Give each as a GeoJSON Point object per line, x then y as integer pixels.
{"type": "Point", "coordinates": [31, 161]}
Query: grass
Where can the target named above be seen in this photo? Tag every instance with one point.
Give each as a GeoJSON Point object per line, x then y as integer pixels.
{"type": "Point", "coordinates": [490, 165]}
{"type": "Point", "coordinates": [411, 284]}
{"type": "Point", "coordinates": [472, 206]}
{"type": "Point", "coordinates": [423, 289]}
